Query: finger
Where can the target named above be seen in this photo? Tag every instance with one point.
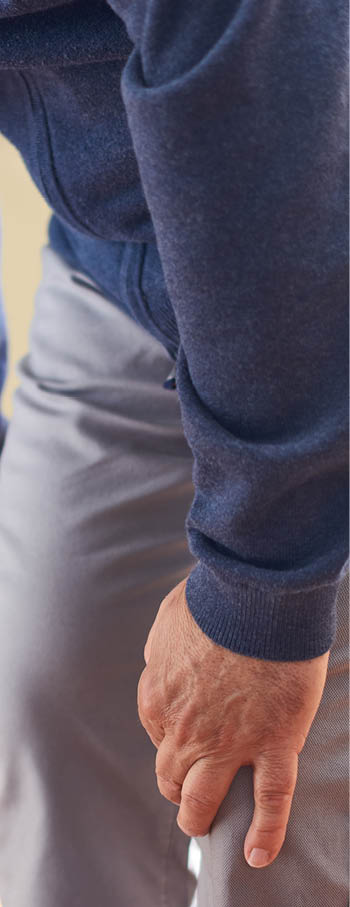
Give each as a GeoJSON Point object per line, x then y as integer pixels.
{"type": "Point", "coordinates": [203, 790]}
{"type": "Point", "coordinates": [171, 770]}
{"type": "Point", "coordinates": [275, 776]}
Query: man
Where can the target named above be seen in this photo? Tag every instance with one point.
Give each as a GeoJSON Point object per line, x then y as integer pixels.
{"type": "Point", "coordinates": [194, 159]}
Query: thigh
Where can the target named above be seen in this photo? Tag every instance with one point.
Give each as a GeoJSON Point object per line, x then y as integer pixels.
{"type": "Point", "coordinates": [95, 484]}
{"type": "Point", "coordinates": [312, 867]}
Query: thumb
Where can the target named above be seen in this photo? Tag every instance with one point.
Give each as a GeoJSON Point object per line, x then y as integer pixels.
{"type": "Point", "coordinates": [203, 790]}
{"type": "Point", "coordinates": [275, 776]}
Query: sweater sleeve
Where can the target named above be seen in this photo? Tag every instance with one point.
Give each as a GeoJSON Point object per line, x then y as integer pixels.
{"type": "Point", "coordinates": [237, 117]}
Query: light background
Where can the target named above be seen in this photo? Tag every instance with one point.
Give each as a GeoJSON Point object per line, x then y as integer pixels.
{"type": "Point", "coordinates": [24, 216]}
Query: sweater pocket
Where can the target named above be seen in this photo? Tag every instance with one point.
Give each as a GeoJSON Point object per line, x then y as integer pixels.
{"type": "Point", "coordinates": [38, 152]}
{"type": "Point", "coordinates": [23, 122]}
{"type": "Point", "coordinates": [78, 148]}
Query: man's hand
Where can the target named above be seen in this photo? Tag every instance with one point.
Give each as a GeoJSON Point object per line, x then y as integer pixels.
{"type": "Point", "coordinates": [209, 711]}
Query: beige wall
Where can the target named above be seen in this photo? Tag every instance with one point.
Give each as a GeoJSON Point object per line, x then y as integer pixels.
{"type": "Point", "coordinates": [24, 220]}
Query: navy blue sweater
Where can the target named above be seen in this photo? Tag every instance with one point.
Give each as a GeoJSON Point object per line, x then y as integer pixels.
{"type": "Point", "coordinates": [195, 158]}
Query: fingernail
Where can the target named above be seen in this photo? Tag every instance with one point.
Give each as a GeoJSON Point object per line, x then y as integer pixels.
{"type": "Point", "coordinates": [258, 857]}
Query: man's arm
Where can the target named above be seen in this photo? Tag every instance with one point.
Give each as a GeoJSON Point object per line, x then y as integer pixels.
{"type": "Point", "coordinates": [236, 112]}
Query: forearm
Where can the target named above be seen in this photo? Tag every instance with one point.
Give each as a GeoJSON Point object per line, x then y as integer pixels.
{"type": "Point", "coordinates": [237, 118]}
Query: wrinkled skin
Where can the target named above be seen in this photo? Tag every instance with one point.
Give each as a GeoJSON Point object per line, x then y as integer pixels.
{"type": "Point", "coordinates": [208, 711]}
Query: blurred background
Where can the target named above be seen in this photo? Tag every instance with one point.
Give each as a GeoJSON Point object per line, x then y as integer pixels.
{"type": "Point", "coordinates": [24, 216]}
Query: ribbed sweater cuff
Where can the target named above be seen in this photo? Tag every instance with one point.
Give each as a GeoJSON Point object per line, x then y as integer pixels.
{"type": "Point", "coordinates": [249, 620]}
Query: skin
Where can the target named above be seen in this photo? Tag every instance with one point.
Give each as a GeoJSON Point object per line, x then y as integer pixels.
{"type": "Point", "coordinates": [208, 711]}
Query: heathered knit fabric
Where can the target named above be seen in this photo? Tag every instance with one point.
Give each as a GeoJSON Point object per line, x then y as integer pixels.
{"type": "Point", "coordinates": [196, 161]}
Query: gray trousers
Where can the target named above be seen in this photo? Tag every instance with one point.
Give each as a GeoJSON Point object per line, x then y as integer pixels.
{"type": "Point", "coordinates": [95, 484]}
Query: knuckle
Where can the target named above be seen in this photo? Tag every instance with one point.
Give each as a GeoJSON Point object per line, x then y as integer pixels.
{"type": "Point", "coordinates": [170, 789]}
{"type": "Point", "coordinates": [197, 802]}
{"type": "Point", "coordinates": [169, 781]}
{"type": "Point", "coordinates": [272, 800]}
{"type": "Point", "coordinates": [275, 829]}
{"type": "Point", "coordinates": [147, 700]}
